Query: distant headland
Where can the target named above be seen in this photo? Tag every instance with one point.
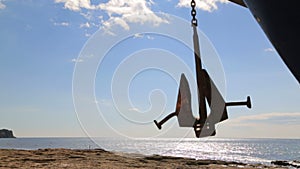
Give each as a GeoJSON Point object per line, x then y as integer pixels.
{"type": "Point", "coordinates": [4, 133]}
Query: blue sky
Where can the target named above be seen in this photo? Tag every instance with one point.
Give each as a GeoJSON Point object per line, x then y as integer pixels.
{"type": "Point", "coordinates": [41, 42]}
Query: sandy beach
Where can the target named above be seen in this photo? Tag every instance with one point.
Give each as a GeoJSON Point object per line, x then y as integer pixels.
{"type": "Point", "coordinates": [98, 158]}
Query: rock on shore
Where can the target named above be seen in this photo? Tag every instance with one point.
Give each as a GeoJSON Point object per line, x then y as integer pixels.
{"type": "Point", "coordinates": [4, 133]}
{"type": "Point", "coordinates": [295, 164]}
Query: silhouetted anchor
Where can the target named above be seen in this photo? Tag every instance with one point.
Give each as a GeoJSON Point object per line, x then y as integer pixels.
{"type": "Point", "coordinates": [185, 116]}
{"type": "Point", "coordinates": [207, 91]}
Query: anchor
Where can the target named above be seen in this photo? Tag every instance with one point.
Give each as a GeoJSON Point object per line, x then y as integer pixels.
{"type": "Point", "coordinates": [207, 92]}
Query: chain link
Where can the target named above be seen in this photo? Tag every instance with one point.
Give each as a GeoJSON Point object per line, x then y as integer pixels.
{"type": "Point", "coordinates": [194, 13]}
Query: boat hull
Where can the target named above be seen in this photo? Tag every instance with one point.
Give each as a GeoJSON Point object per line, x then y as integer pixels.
{"type": "Point", "coordinates": [280, 21]}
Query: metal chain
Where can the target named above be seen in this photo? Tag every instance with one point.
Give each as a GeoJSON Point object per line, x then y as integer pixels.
{"type": "Point", "coordinates": [193, 13]}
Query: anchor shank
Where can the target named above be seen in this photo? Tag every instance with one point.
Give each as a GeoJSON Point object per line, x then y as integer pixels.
{"type": "Point", "coordinates": [200, 78]}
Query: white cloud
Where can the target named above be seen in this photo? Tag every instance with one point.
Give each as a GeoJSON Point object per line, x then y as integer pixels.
{"type": "Point", "coordinates": [267, 125]}
{"type": "Point", "coordinates": [85, 25]}
{"type": "Point", "coordinates": [89, 15]}
{"type": "Point", "coordinates": [269, 50]}
{"type": "Point", "coordinates": [64, 24]}
{"type": "Point", "coordinates": [87, 34]}
{"type": "Point", "coordinates": [138, 35]}
{"type": "Point", "coordinates": [2, 5]}
{"type": "Point", "coordinates": [134, 109]}
{"type": "Point", "coordinates": [115, 21]}
{"type": "Point", "coordinates": [120, 12]}
{"type": "Point", "coordinates": [253, 119]}
{"type": "Point", "coordinates": [77, 60]}
{"type": "Point", "coordinates": [206, 5]}
{"type": "Point", "coordinates": [61, 24]}
{"type": "Point", "coordinates": [76, 5]}
{"type": "Point", "coordinates": [131, 11]}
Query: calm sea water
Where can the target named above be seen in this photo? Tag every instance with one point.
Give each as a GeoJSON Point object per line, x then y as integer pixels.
{"type": "Point", "coordinates": [240, 150]}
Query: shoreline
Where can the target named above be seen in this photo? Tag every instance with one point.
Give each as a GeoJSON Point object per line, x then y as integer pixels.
{"type": "Point", "coordinates": [99, 158]}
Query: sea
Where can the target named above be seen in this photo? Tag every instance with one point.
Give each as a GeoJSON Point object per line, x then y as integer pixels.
{"type": "Point", "coordinates": [252, 151]}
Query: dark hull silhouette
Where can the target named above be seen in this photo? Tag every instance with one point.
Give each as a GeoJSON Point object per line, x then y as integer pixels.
{"type": "Point", "coordinates": [280, 21]}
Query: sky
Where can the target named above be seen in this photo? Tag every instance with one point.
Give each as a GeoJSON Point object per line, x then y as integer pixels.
{"type": "Point", "coordinates": [44, 45]}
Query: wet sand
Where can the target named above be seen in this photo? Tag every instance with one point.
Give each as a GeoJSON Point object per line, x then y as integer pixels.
{"type": "Point", "coordinates": [98, 158]}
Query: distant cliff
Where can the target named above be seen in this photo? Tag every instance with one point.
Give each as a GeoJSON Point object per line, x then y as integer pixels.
{"type": "Point", "coordinates": [4, 133]}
